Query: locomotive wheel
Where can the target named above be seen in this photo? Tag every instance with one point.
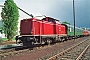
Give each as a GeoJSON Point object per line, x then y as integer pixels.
{"type": "Point", "coordinates": [27, 42]}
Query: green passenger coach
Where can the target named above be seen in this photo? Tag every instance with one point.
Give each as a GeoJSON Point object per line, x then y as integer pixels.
{"type": "Point", "coordinates": [70, 31]}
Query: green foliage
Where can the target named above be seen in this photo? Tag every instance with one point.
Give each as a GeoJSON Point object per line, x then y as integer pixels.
{"type": "Point", "coordinates": [66, 23]}
{"type": "Point", "coordinates": [10, 16]}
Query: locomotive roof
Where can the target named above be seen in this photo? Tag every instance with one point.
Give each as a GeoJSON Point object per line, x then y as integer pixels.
{"type": "Point", "coordinates": [43, 18]}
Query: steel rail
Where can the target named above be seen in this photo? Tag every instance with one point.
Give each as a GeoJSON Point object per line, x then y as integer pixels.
{"type": "Point", "coordinates": [65, 51]}
{"type": "Point", "coordinates": [79, 57]}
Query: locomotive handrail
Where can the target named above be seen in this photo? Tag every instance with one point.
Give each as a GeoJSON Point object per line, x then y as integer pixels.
{"type": "Point", "coordinates": [40, 16]}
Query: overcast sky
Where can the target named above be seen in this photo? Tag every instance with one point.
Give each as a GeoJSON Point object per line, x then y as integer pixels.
{"type": "Point", "coordinates": [58, 9]}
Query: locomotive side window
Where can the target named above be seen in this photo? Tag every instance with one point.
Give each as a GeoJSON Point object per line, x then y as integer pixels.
{"type": "Point", "coordinates": [51, 20]}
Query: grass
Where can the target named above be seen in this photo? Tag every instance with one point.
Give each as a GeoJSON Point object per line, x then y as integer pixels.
{"type": "Point", "coordinates": [5, 39]}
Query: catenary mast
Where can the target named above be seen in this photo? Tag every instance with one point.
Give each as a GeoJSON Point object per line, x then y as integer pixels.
{"type": "Point", "coordinates": [74, 16]}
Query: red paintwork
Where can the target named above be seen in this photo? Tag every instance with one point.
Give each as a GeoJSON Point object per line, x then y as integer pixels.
{"type": "Point", "coordinates": [86, 33]}
{"type": "Point", "coordinates": [41, 27]}
{"type": "Point", "coordinates": [25, 26]}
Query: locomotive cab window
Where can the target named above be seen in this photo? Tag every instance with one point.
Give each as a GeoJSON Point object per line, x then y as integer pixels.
{"type": "Point", "coordinates": [44, 19]}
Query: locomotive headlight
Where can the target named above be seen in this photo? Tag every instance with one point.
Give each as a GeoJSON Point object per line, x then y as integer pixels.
{"type": "Point", "coordinates": [31, 32]}
{"type": "Point", "coordinates": [20, 32]}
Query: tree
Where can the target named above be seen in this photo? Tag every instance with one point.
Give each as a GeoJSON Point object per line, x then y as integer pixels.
{"type": "Point", "coordinates": [66, 23]}
{"type": "Point", "coordinates": [10, 17]}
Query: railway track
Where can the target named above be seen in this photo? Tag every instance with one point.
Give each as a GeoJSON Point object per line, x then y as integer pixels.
{"type": "Point", "coordinates": [11, 52]}
{"type": "Point", "coordinates": [15, 52]}
{"type": "Point", "coordinates": [75, 52]}
{"type": "Point", "coordinates": [83, 53]}
{"type": "Point", "coordinates": [19, 50]}
{"type": "Point", "coordinates": [86, 55]}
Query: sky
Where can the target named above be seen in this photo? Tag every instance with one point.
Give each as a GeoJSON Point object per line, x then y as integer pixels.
{"type": "Point", "coordinates": [58, 9]}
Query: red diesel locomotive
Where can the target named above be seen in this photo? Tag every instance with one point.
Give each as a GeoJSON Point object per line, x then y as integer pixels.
{"type": "Point", "coordinates": [41, 31]}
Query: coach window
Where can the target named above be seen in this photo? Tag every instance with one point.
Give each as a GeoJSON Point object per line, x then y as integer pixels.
{"type": "Point", "coordinates": [70, 29]}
